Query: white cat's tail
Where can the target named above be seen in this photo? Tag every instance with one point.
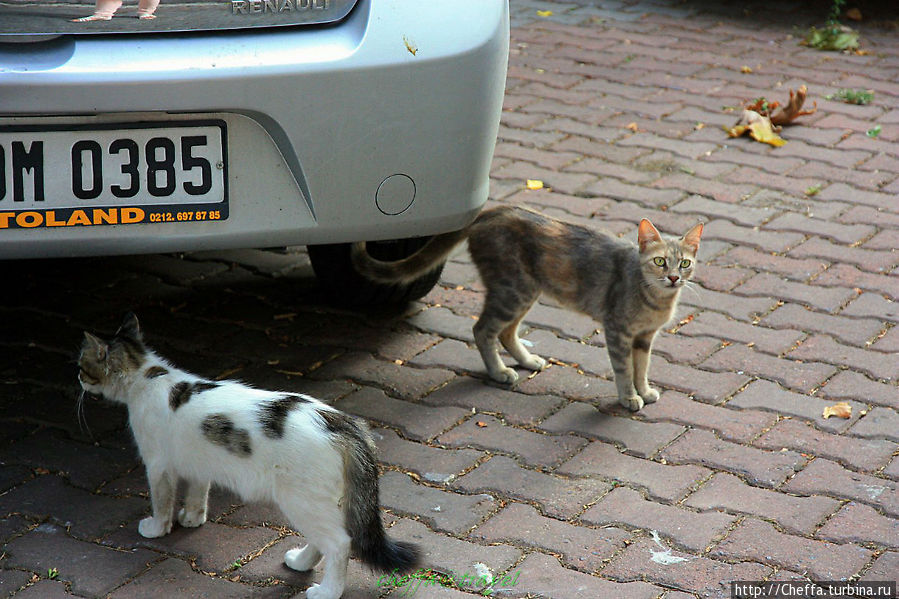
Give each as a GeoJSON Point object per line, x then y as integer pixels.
{"type": "Point", "coordinates": [369, 541]}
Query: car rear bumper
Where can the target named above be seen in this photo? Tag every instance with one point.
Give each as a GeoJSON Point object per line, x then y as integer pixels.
{"type": "Point", "coordinates": [318, 119]}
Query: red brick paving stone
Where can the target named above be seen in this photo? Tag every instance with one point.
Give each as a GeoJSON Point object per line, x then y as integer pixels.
{"type": "Point", "coordinates": [454, 355]}
{"type": "Point", "coordinates": [711, 209]}
{"type": "Point", "coordinates": [215, 546]}
{"type": "Point", "coordinates": [568, 322]}
{"type": "Point", "coordinates": [12, 580]}
{"type": "Point", "coordinates": [667, 482]}
{"type": "Point", "coordinates": [824, 477]}
{"type": "Point", "coordinates": [768, 241]}
{"type": "Point", "coordinates": [443, 321]}
{"type": "Point", "coordinates": [44, 589]}
{"type": "Point", "coordinates": [564, 182]}
{"type": "Point", "coordinates": [826, 299]}
{"type": "Point", "coordinates": [856, 331]}
{"type": "Point", "coordinates": [841, 233]}
{"type": "Point", "coordinates": [844, 275]}
{"type": "Point", "coordinates": [565, 381]}
{"type": "Point", "coordinates": [433, 464]}
{"type": "Point", "coordinates": [618, 190]}
{"type": "Point", "coordinates": [859, 523]}
{"type": "Point", "coordinates": [823, 348]}
{"type": "Point", "coordinates": [743, 360]}
{"type": "Point", "coordinates": [414, 420]}
{"type": "Point", "coordinates": [885, 568]}
{"type": "Point", "coordinates": [445, 511]}
{"type": "Point", "coordinates": [582, 548]}
{"type": "Point", "coordinates": [860, 454]}
{"type": "Point", "coordinates": [737, 307]}
{"type": "Point", "coordinates": [692, 530]}
{"type": "Point", "coordinates": [792, 268]}
{"type": "Point", "coordinates": [889, 342]}
{"type": "Point", "coordinates": [706, 577]}
{"type": "Point", "coordinates": [710, 387]}
{"type": "Point", "coordinates": [92, 569]}
{"type": "Point", "coordinates": [174, 578]}
{"type": "Point", "coordinates": [760, 467]}
{"type": "Point", "coordinates": [764, 395]}
{"type": "Point", "coordinates": [533, 449]}
{"type": "Point", "coordinates": [869, 260]}
{"type": "Point", "coordinates": [558, 496]}
{"type": "Point", "coordinates": [760, 541]}
{"type": "Point", "coordinates": [689, 350]}
{"type": "Point", "coordinates": [727, 492]}
{"type": "Point", "coordinates": [402, 381]}
{"type": "Point", "coordinates": [639, 438]}
{"type": "Point", "coordinates": [50, 497]}
{"type": "Point", "coordinates": [514, 408]}
{"type": "Point", "coordinates": [843, 192]}
{"type": "Point", "coordinates": [885, 240]}
{"type": "Point", "coordinates": [588, 358]}
{"type": "Point", "coordinates": [51, 450]}
{"type": "Point", "coordinates": [892, 471]}
{"type": "Point", "coordinates": [772, 341]}
{"type": "Point", "coordinates": [453, 556]}
{"type": "Point", "coordinates": [878, 423]}
{"type": "Point", "coordinates": [873, 305]}
{"type": "Point", "coordinates": [733, 425]}
{"type": "Point", "coordinates": [543, 576]}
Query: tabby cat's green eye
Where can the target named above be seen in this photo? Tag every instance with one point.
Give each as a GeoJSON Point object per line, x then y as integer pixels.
{"type": "Point", "coordinates": [659, 261]}
{"type": "Point", "coordinates": [685, 263]}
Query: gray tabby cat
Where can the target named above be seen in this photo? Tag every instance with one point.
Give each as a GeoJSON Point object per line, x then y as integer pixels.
{"type": "Point", "coordinates": [314, 462]}
{"type": "Point", "coordinates": [632, 290]}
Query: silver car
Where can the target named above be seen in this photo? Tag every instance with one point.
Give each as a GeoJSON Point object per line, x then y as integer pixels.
{"type": "Point", "coordinates": [247, 123]}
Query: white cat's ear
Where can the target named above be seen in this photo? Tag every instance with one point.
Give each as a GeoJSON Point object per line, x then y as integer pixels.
{"type": "Point", "coordinates": [647, 233]}
{"type": "Point", "coordinates": [691, 239]}
{"type": "Point", "coordinates": [95, 347]}
{"type": "Point", "coordinates": [130, 328]}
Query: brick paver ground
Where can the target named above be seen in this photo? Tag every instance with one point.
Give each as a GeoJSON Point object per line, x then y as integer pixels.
{"type": "Point", "coordinates": [734, 474]}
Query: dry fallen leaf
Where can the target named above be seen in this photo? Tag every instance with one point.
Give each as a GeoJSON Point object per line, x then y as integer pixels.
{"type": "Point", "coordinates": [784, 115]}
{"type": "Point", "coordinates": [745, 69]}
{"type": "Point", "coordinates": [854, 14]}
{"type": "Point", "coordinates": [840, 410]}
{"type": "Point", "coordinates": [410, 46]}
{"type": "Point", "coordinates": [759, 128]}
{"type": "Point", "coordinates": [544, 13]}
{"type": "Point", "coordinates": [481, 423]}
{"type": "Point", "coordinates": [534, 184]}
{"type": "Point", "coordinates": [632, 126]}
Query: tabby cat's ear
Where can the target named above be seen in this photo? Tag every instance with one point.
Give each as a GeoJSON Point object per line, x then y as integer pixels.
{"type": "Point", "coordinates": [95, 347]}
{"type": "Point", "coordinates": [691, 239]}
{"type": "Point", "coordinates": [647, 233]}
{"type": "Point", "coordinates": [130, 328]}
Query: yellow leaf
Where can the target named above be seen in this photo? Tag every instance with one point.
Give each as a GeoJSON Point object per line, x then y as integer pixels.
{"type": "Point", "coordinates": [745, 69]}
{"type": "Point", "coordinates": [759, 128]}
{"type": "Point", "coordinates": [840, 410]}
{"type": "Point", "coordinates": [481, 424]}
{"type": "Point", "coordinates": [632, 127]}
{"type": "Point", "coordinates": [535, 184]}
{"type": "Point", "coordinates": [544, 13]}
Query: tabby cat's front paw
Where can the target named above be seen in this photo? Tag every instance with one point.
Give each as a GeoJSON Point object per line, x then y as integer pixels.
{"type": "Point", "coordinates": [649, 395]}
{"type": "Point", "coordinates": [506, 376]}
{"type": "Point", "coordinates": [153, 528]}
{"type": "Point", "coordinates": [191, 518]}
{"type": "Point", "coordinates": [633, 403]}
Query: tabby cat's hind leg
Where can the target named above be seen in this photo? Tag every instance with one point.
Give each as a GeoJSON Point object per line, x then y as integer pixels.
{"type": "Point", "coordinates": [502, 311]}
{"type": "Point", "coordinates": [509, 338]}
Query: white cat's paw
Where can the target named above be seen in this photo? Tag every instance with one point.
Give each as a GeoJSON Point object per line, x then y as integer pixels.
{"type": "Point", "coordinates": [302, 559]}
{"type": "Point", "coordinates": [153, 528]}
{"type": "Point", "coordinates": [534, 363]}
{"type": "Point", "coordinates": [649, 395]}
{"type": "Point", "coordinates": [317, 591]}
{"type": "Point", "coordinates": [633, 403]}
{"type": "Point", "coordinates": [190, 518]}
{"type": "Point", "coordinates": [506, 376]}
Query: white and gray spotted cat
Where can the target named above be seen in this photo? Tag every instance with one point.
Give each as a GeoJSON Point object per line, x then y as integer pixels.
{"type": "Point", "coordinates": [632, 290]}
{"type": "Point", "coordinates": [314, 462]}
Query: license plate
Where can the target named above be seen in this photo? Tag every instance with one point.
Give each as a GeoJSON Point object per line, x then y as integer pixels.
{"type": "Point", "coordinates": [113, 174]}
